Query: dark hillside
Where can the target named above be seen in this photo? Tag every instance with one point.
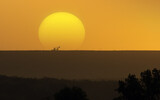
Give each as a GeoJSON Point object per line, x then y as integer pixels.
{"type": "Point", "coordinates": [96, 65]}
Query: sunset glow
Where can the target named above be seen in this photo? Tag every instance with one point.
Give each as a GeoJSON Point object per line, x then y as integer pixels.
{"type": "Point", "coordinates": [109, 24]}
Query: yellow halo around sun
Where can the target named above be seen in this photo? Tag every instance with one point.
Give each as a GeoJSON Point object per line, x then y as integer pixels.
{"type": "Point", "coordinates": [62, 29]}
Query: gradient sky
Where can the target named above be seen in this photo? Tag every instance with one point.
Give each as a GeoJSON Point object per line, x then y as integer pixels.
{"type": "Point", "coordinates": [109, 24]}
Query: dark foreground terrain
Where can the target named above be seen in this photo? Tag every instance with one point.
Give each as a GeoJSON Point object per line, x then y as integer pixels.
{"type": "Point", "coordinates": [13, 88]}
{"type": "Point", "coordinates": [94, 65]}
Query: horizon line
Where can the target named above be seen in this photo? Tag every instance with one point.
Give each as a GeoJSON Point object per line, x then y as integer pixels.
{"type": "Point", "coordinates": [80, 50]}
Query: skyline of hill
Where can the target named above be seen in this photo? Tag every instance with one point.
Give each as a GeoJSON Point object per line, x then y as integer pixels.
{"type": "Point", "coordinates": [16, 88]}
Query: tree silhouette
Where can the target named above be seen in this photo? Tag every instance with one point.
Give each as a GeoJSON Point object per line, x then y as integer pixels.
{"type": "Point", "coordinates": [147, 87]}
{"type": "Point", "coordinates": [74, 93]}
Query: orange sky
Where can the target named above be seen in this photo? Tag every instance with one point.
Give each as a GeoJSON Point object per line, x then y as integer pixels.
{"type": "Point", "coordinates": [109, 24]}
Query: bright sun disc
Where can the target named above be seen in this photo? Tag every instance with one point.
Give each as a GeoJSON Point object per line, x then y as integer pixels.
{"type": "Point", "coordinates": [62, 29]}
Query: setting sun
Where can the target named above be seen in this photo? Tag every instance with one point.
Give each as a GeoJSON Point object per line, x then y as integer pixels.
{"type": "Point", "coordinates": [61, 29]}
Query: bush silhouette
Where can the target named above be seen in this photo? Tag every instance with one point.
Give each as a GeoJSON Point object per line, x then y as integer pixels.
{"type": "Point", "coordinates": [147, 87]}
{"type": "Point", "coordinates": [74, 93]}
